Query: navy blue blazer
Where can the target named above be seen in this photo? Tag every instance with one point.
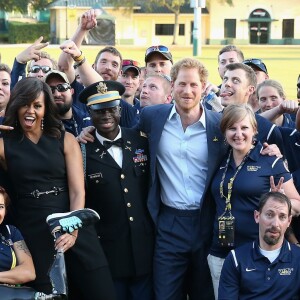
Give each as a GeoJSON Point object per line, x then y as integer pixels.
{"type": "Point", "coordinates": [152, 121]}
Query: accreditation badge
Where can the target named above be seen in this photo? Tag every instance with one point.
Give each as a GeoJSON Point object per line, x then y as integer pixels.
{"type": "Point", "coordinates": [226, 231]}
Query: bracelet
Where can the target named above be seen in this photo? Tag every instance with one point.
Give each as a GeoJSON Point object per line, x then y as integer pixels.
{"type": "Point", "coordinates": [79, 57]}
{"type": "Point", "coordinates": [79, 63]}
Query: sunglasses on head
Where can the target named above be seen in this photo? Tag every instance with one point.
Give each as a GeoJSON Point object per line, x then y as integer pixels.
{"type": "Point", "coordinates": [255, 61]}
{"type": "Point", "coordinates": [36, 69]}
{"type": "Point", "coordinates": [129, 62]}
{"type": "Point", "coordinates": [62, 87]}
{"type": "Point", "coordinates": [159, 48]}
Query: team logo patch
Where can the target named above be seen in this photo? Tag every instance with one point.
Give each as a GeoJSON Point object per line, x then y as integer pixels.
{"type": "Point", "coordinates": [285, 271]}
{"type": "Point", "coordinates": [253, 168]}
{"type": "Point", "coordinates": [140, 156]}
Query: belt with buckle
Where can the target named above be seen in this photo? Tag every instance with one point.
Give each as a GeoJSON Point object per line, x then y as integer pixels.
{"type": "Point", "coordinates": [37, 193]}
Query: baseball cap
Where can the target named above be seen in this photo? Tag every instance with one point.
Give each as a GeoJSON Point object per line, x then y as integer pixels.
{"type": "Point", "coordinates": [54, 73]}
{"type": "Point", "coordinates": [256, 62]}
{"type": "Point", "coordinates": [163, 50]}
{"type": "Point", "coordinates": [130, 64]}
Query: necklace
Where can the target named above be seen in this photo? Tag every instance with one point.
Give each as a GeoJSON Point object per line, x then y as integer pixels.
{"type": "Point", "coordinates": [231, 180]}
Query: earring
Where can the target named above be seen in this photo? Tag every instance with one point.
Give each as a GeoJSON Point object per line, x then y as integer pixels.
{"type": "Point", "coordinates": [42, 124]}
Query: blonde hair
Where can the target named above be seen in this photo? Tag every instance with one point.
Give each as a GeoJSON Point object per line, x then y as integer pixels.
{"type": "Point", "coordinates": [189, 63]}
{"type": "Point", "coordinates": [236, 112]}
{"type": "Point", "coordinates": [274, 84]}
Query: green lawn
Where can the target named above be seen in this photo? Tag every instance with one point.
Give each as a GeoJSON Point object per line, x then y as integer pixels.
{"type": "Point", "coordinates": [283, 62]}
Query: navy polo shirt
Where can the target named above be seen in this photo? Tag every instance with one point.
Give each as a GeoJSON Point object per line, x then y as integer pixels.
{"type": "Point", "coordinates": [268, 132]}
{"type": "Point", "coordinates": [79, 120]}
{"type": "Point", "coordinates": [247, 274]}
{"type": "Point", "coordinates": [251, 182]}
{"type": "Point", "coordinates": [6, 257]}
{"type": "Point", "coordinates": [288, 122]}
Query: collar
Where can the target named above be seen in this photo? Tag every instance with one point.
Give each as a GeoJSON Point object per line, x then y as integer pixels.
{"type": "Point", "coordinates": [101, 138]}
{"type": "Point", "coordinates": [285, 254]}
{"type": "Point", "coordinates": [202, 119]}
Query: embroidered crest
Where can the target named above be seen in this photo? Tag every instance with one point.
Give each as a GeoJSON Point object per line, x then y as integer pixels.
{"type": "Point", "coordinates": [286, 271]}
{"type": "Point", "coordinates": [215, 139]}
{"type": "Point", "coordinates": [101, 88]}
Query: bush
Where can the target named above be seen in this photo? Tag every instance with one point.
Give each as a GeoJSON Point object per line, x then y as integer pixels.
{"type": "Point", "coordinates": [19, 32]}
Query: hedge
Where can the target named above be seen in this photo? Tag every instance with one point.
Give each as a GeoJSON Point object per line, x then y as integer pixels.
{"type": "Point", "coordinates": [27, 32]}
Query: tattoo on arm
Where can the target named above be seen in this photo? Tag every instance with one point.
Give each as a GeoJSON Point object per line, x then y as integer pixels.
{"type": "Point", "coordinates": [21, 245]}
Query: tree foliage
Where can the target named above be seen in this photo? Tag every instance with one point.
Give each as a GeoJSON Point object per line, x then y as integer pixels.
{"type": "Point", "coordinates": [40, 4]}
{"type": "Point", "coordinates": [21, 5]}
{"type": "Point", "coordinates": [16, 5]}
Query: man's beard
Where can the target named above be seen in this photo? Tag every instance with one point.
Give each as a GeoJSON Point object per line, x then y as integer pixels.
{"type": "Point", "coordinates": [62, 109]}
{"type": "Point", "coordinates": [271, 241]}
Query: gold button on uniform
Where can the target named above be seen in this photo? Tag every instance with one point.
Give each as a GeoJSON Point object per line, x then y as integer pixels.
{"type": "Point", "coordinates": [128, 204]}
{"type": "Point", "coordinates": [126, 190]}
{"type": "Point", "coordinates": [122, 176]}
{"type": "Point", "coordinates": [131, 219]}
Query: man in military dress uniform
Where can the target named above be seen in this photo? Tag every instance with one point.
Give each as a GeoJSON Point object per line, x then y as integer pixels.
{"type": "Point", "coordinates": [117, 170]}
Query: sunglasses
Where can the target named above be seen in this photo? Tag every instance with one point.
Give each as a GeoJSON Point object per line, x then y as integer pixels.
{"type": "Point", "coordinates": [62, 87]}
{"type": "Point", "coordinates": [159, 48]}
{"type": "Point", "coordinates": [129, 62]}
{"type": "Point", "coordinates": [36, 69]}
{"type": "Point", "coordinates": [298, 85]}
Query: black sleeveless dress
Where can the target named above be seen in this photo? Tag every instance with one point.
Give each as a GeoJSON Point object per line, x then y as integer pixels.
{"type": "Point", "coordinates": [41, 167]}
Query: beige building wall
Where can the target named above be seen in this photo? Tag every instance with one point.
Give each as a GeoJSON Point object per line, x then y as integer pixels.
{"type": "Point", "coordinates": [139, 29]}
{"type": "Point", "coordinates": [278, 10]}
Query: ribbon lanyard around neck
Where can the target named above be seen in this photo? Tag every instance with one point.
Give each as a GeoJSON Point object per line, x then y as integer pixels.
{"type": "Point", "coordinates": [231, 181]}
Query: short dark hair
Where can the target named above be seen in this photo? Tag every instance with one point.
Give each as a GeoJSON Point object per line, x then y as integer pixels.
{"type": "Point", "coordinates": [26, 91]}
{"type": "Point", "coordinates": [250, 74]}
{"type": "Point", "coordinates": [276, 196]}
{"type": "Point", "coordinates": [111, 50]}
{"type": "Point", "coordinates": [229, 48]}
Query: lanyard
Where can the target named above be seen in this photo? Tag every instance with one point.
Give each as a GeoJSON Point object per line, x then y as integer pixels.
{"type": "Point", "coordinates": [231, 180]}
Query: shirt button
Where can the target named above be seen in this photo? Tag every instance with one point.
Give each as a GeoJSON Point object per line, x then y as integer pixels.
{"type": "Point", "coordinates": [128, 204]}
{"type": "Point", "coordinates": [122, 176]}
{"type": "Point", "coordinates": [131, 219]}
{"type": "Point", "coordinates": [268, 278]}
{"type": "Point", "coordinates": [268, 269]}
{"type": "Point", "coordinates": [126, 190]}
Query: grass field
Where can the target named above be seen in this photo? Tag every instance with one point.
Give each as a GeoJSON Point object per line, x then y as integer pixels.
{"type": "Point", "coordinates": [283, 62]}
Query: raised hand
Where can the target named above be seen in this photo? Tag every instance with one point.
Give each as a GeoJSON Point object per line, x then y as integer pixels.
{"type": "Point", "coordinates": [32, 52]}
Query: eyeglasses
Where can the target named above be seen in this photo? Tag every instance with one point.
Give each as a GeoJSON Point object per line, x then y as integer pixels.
{"type": "Point", "coordinates": [62, 87]}
{"type": "Point", "coordinates": [36, 69]}
{"type": "Point", "coordinates": [159, 48]}
{"type": "Point", "coordinates": [129, 62]}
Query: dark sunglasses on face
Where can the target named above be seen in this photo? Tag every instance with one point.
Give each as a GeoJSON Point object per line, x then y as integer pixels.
{"type": "Point", "coordinates": [129, 62]}
{"type": "Point", "coordinates": [159, 48]}
{"type": "Point", "coordinates": [62, 87]}
{"type": "Point", "coordinates": [36, 69]}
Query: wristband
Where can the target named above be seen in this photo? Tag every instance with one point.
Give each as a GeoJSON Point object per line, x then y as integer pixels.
{"type": "Point", "coordinates": [79, 57]}
{"type": "Point", "coordinates": [79, 63]}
